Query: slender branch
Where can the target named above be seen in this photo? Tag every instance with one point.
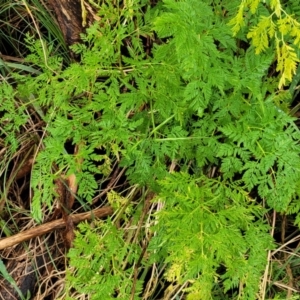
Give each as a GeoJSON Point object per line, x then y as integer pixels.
{"type": "Point", "coordinates": [53, 225]}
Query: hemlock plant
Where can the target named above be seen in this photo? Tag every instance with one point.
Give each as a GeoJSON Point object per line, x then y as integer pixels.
{"type": "Point", "coordinates": [197, 119]}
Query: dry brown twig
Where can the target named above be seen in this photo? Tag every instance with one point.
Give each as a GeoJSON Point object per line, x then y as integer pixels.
{"type": "Point", "coordinates": [53, 225]}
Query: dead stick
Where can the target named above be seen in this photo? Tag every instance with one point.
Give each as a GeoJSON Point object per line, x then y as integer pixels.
{"type": "Point", "coordinates": [53, 225]}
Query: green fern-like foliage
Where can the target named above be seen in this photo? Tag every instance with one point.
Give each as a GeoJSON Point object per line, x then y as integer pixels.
{"type": "Point", "coordinates": [198, 100]}
{"type": "Point", "coordinates": [277, 27]}
{"type": "Point", "coordinates": [207, 225]}
{"type": "Point", "coordinates": [100, 261]}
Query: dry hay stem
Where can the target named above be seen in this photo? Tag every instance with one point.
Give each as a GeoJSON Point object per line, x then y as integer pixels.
{"type": "Point", "coordinates": [286, 255]}
{"type": "Point", "coordinates": [47, 287]}
{"type": "Point", "coordinates": [29, 264]}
